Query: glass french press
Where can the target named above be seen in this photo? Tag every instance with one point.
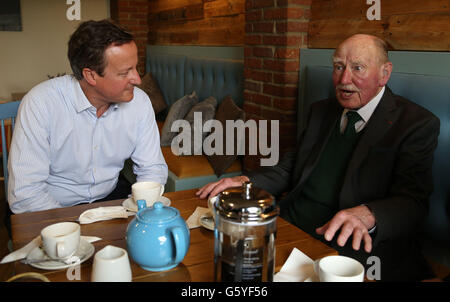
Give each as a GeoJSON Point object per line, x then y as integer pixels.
{"type": "Point", "coordinates": [245, 230]}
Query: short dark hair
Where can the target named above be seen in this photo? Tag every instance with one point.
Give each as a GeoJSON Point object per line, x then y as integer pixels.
{"type": "Point", "coordinates": [88, 43]}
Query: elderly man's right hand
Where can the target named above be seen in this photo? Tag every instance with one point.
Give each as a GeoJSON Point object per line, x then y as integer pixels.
{"type": "Point", "coordinates": [214, 188]}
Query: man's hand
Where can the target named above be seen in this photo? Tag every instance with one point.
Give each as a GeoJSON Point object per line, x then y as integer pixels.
{"type": "Point", "coordinates": [354, 221]}
{"type": "Point", "coordinates": [214, 188]}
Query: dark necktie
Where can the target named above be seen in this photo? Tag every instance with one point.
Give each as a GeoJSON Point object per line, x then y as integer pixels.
{"type": "Point", "coordinates": [352, 118]}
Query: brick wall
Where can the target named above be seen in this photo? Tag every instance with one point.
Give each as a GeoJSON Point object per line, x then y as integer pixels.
{"type": "Point", "coordinates": [275, 30]}
{"type": "Point", "coordinates": [132, 15]}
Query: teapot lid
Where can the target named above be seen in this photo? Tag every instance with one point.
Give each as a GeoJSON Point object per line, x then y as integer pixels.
{"type": "Point", "coordinates": [246, 204]}
{"type": "Point", "coordinates": [158, 213]}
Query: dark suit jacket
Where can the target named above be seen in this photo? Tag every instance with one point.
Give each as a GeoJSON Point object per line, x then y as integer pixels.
{"type": "Point", "coordinates": [390, 171]}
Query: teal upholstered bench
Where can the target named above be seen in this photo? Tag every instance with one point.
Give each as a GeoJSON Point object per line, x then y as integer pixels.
{"type": "Point", "coordinates": [178, 76]}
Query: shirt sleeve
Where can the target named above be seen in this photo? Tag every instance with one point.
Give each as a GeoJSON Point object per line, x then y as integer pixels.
{"type": "Point", "coordinates": [29, 160]}
{"type": "Point", "coordinates": [149, 163]}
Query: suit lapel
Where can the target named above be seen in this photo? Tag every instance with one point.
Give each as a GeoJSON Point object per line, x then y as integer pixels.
{"type": "Point", "coordinates": [380, 122]}
{"type": "Point", "coordinates": [327, 122]}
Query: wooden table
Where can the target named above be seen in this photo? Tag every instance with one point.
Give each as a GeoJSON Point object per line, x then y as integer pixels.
{"type": "Point", "coordinates": [198, 265]}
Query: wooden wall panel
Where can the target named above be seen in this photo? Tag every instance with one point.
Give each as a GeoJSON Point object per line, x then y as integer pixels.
{"type": "Point", "coordinates": [405, 24]}
{"type": "Point", "coordinates": [197, 22]}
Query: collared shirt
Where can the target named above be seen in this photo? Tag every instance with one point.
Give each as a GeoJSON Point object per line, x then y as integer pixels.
{"type": "Point", "coordinates": [62, 154]}
{"type": "Point", "coordinates": [365, 112]}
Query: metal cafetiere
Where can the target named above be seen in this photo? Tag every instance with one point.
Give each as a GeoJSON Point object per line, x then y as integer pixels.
{"type": "Point", "coordinates": [245, 230]}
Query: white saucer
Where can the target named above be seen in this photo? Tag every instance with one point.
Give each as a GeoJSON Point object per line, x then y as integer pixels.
{"type": "Point", "coordinates": [207, 221]}
{"type": "Point", "coordinates": [84, 252]}
{"type": "Point", "coordinates": [129, 204]}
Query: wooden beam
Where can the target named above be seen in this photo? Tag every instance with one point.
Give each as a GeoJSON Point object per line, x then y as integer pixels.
{"type": "Point", "coordinates": [177, 15]}
{"type": "Point", "coordinates": [221, 8]}
{"type": "Point", "coordinates": [329, 33]}
{"type": "Point", "coordinates": [405, 24]}
{"type": "Point", "coordinates": [193, 22]}
{"type": "Point", "coordinates": [428, 32]}
{"type": "Point", "coordinates": [156, 6]}
{"type": "Point", "coordinates": [330, 9]}
{"type": "Point", "coordinates": [419, 32]}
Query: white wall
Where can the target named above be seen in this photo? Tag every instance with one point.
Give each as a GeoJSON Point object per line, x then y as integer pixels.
{"type": "Point", "coordinates": [40, 49]}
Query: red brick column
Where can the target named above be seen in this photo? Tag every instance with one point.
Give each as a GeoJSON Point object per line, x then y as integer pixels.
{"type": "Point", "coordinates": [275, 31]}
{"type": "Point", "coordinates": [132, 15]}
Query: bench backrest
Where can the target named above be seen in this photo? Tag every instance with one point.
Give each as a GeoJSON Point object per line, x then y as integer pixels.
{"type": "Point", "coordinates": [180, 75]}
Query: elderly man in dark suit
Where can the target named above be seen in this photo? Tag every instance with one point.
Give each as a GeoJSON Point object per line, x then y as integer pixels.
{"type": "Point", "coordinates": [361, 174]}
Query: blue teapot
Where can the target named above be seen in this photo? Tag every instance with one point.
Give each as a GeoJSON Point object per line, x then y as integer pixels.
{"type": "Point", "coordinates": [157, 238]}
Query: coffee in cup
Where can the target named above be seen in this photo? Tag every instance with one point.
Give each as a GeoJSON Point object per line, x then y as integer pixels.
{"type": "Point", "coordinates": [149, 191]}
{"type": "Point", "coordinates": [61, 240]}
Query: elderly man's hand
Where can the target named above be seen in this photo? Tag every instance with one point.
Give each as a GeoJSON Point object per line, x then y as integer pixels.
{"type": "Point", "coordinates": [354, 221]}
{"type": "Point", "coordinates": [214, 188]}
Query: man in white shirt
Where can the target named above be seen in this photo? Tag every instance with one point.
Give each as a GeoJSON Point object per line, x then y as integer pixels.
{"type": "Point", "coordinates": [360, 178]}
{"type": "Point", "coordinates": [73, 133]}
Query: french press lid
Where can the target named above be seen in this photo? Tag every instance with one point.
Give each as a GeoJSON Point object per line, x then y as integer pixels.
{"type": "Point", "coordinates": [246, 204]}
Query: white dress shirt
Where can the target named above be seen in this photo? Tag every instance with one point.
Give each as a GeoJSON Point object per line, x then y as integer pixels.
{"type": "Point", "coordinates": [62, 154]}
{"type": "Point", "coordinates": [365, 112]}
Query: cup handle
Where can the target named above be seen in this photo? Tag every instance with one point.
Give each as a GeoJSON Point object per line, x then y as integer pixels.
{"type": "Point", "coordinates": [60, 249]}
{"type": "Point", "coordinates": [180, 246]}
{"type": "Point", "coordinates": [162, 190]}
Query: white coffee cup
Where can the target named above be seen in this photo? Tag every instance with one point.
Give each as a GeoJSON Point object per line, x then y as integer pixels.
{"type": "Point", "coordinates": [149, 191]}
{"type": "Point", "coordinates": [111, 264]}
{"type": "Point", "coordinates": [61, 240]}
{"type": "Point", "coordinates": [339, 269]}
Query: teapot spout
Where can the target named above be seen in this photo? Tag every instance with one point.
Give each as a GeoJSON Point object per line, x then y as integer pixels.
{"type": "Point", "coordinates": [141, 204]}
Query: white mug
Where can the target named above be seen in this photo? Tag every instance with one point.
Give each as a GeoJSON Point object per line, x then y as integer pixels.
{"type": "Point", "coordinates": [149, 191]}
{"type": "Point", "coordinates": [111, 264]}
{"type": "Point", "coordinates": [339, 269]}
{"type": "Point", "coordinates": [61, 240]}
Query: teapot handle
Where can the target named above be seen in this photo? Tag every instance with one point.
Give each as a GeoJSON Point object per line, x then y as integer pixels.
{"type": "Point", "coordinates": [141, 204]}
{"type": "Point", "coordinates": [180, 243]}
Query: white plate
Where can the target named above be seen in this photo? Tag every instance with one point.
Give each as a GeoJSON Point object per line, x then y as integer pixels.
{"type": "Point", "coordinates": [129, 204]}
{"type": "Point", "coordinates": [84, 252]}
{"type": "Point", "coordinates": [207, 221]}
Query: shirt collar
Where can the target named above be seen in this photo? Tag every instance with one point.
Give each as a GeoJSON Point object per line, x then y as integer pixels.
{"type": "Point", "coordinates": [82, 103]}
{"type": "Point", "coordinates": [111, 107]}
{"type": "Point", "coordinates": [367, 110]}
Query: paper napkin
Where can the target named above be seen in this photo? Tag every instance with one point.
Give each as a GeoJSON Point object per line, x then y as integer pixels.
{"type": "Point", "coordinates": [297, 268]}
{"type": "Point", "coordinates": [24, 251]}
{"type": "Point", "coordinates": [103, 213]}
{"type": "Point", "coordinates": [193, 220]}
